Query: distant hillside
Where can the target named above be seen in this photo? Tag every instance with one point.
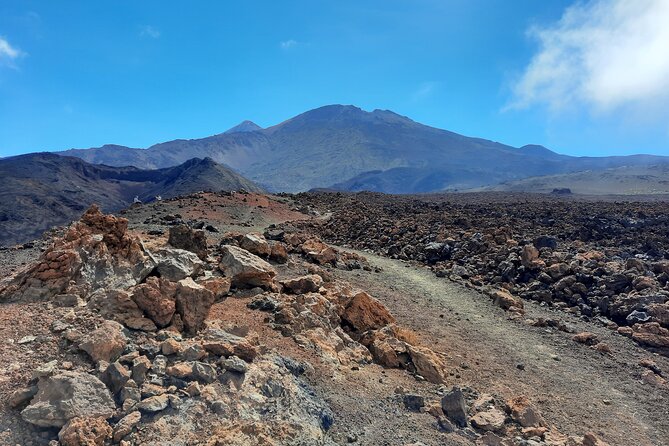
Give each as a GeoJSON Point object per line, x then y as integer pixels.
{"type": "Point", "coordinates": [627, 180]}
{"type": "Point", "coordinates": [42, 190]}
{"type": "Point", "coordinates": [345, 147]}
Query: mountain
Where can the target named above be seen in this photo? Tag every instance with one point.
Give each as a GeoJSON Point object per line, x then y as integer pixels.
{"type": "Point", "coordinates": [626, 180]}
{"type": "Point", "coordinates": [41, 190]}
{"type": "Point", "coordinates": [244, 126]}
{"type": "Point", "coordinates": [348, 148]}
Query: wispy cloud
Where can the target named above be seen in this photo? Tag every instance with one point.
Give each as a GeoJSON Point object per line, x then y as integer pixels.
{"type": "Point", "coordinates": [8, 53]}
{"type": "Point", "coordinates": [424, 90]}
{"type": "Point", "coordinates": [149, 31]}
{"type": "Point", "coordinates": [604, 54]}
{"type": "Point", "coordinates": [288, 44]}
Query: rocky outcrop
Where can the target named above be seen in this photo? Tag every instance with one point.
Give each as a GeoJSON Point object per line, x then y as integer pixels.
{"type": "Point", "coordinates": [96, 252]}
{"type": "Point", "coordinates": [246, 269]}
{"type": "Point", "coordinates": [68, 395]}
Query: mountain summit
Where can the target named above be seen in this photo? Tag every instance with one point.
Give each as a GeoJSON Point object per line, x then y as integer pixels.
{"type": "Point", "coordinates": [244, 126]}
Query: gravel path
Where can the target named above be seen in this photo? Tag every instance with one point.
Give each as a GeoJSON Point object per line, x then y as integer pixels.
{"type": "Point", "coordinates": [576, 388]}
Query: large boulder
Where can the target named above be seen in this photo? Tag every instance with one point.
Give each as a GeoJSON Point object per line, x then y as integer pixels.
{"type": "Point", "coordinates": [428, 364]}
{"type": "Point", "coordinates": [255, 243]}
{"type": "Point", "coordinates": [366, 313]}
{"type": "Point", "coordinates": [68, 395]}
{"type": "Point", "coordinates": [177, 264]}
{"type": "Point", "coordinates": [246, 269]}
{"type": "Point", "coordinates": [193, 303]}
{"type": "Point", "coordinates": [184, 237]}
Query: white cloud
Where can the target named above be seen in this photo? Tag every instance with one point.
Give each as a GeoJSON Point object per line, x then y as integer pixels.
{"type": "Point", "coordinates": [288, 44]}
{"type": "Point", "coordinates": [8, 53]}
{"type": "Point", "coordinates": [149, 31]}
{"type": "Point", "coordinates": [605, 54]}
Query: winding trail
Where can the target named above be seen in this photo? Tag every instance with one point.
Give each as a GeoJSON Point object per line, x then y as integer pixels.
{"type": "Point", "coordinates": [575, 387]}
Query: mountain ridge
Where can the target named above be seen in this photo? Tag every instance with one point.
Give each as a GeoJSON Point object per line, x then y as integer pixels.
{"type": "Point", "coordinates": [41, 190]}
{"type": "Point", "coordinates": [336, 144]}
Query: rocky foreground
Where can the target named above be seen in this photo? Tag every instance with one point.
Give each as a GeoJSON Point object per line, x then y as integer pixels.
{"type": "Point", "coordinates": [160, 336]}
{"type": "Point", "coordinates": [607, 262]}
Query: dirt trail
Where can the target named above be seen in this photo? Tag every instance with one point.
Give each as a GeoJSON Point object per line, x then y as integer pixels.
{"type": "Point", "coordinates": [576, 388]}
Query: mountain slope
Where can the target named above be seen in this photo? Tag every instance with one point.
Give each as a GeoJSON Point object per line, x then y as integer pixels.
{"type": "Point", "coordinates": [333, 145]}
{"type": "Point", "coordinates": [627, 180]}
{"type": "Point", "coordinates": [41, 190]}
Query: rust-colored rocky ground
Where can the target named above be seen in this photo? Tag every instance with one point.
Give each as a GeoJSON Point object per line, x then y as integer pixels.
{"type": "Point", "coordinates": [200, 321]}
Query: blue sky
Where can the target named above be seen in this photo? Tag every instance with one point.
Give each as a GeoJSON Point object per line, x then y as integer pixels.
{"type": "Point", "coordinates": [82, 74]}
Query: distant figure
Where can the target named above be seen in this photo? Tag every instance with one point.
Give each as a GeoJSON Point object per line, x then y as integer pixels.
{"type": "Point", "coordinates": [159, 198]}
{"type": "Point", "coordinates": [561, 191]}
{"type": "Point", "coordinates": [136, 200]}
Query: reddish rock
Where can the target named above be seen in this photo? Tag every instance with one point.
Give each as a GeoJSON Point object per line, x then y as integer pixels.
{"type": "Point", "coordinates": [591, 439]}
{"type": "Point", "coordinates": [651, 334]}
{"type": "Point", "coordinates": [585, 337]}
{"type": "Point", "coordinates": [304, 284]}
{"type": "Point", "coordinates": [278, 252]}
{"type": "Point", "coordinates": [505, 300]}
{"type": "Point", "coordinates": [428, 364]}
{"type": "Point", "coordinates": [524, 413]}
{"type": "Point", "coordinates": [366, 313]}
{"type": "Point", "coordinates": [220, 286]}
{"type": "Point", "coordinates": [105, 343]}
{"type": "Point", "coordinates": [157, 299]}
{"type": "Point", "coordinates": [489, 420]}
{"type": "Point", "coordinates": [184, 237]}
{"type": "Point", "coordinates": [85, 432]}
{"type": "Point", "coordinates": [318, 252]}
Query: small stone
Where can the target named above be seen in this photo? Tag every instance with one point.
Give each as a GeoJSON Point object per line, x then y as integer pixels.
{"type": "Point", "coordinates": [454, 407]}
{"type": "Point", "coordinates": [154, 403]}
{"type": "Point", "coordinates": [234, 364]}
{"type": "Point", "coordinates": [171, 346]}
{"type": "Point", "coordinates": [490, 420]}
{"type": "Point", "coordinates": [414, 402]}
{"type": "Point", "coordinates": [140, 366]}
{"type": "Point", "coordinates": [126, 425]}
{"type": "Point", "coordinates": [26, 340]}
{"type": "Point", "coordinates": [46, 369]}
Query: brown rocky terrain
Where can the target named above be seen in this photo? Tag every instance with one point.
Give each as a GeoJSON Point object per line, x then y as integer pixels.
{"type": "Point", "coordinates": [224, 319]}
